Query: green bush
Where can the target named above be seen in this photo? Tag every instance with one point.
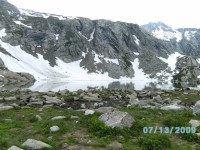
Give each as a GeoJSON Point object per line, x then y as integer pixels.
{"type": "Point", "coordinates": [191, 137]}
{"type": "Point", "coordinates": [98, 128]}
{"type": "Point", "coordinates": [155, 142]}
{"type": "Point", "coordinates": [176, 122]}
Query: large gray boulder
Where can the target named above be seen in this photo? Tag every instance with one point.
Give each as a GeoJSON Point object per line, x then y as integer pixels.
{"type": "Point", "coordinates": [117, 119]}
{"type": "Point", "coordinates": [35, 145]}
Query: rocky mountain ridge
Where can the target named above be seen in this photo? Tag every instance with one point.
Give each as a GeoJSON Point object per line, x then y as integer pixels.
{"type": "Point", "coordinates": [51, 47]}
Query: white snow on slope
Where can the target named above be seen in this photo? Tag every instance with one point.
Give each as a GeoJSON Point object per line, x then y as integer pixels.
{"type": "Point", "coordinates": [167, 35]}
{"type": "Point", "coordinates": [189, 34]}
{"type": "Point", "coordinates": [136, 53]}
{"type": "Point", "coordinates": [171, 60]}
{"type": "Point", "coordinates": [57, 35]}
{"type": "Point", "coordinates": [139, 73]}
{"type": "Point", "coordinates": [20, 23]}
{"type": "Point", "coordinates": [137, 41]}
{"type": "Point", "coordinates": [115, 61]}
{"type": "Point", "coordinates": [44, 15]}
{"type": "Point", "coordinates": [2, 32]}
{"type": "Point", "coordinates": [91, 36]}
{"type": "Point", "coordinates": [82, 35]}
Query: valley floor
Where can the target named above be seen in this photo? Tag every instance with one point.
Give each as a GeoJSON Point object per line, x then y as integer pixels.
{"type": "Point", "coordinates": [27, 118]}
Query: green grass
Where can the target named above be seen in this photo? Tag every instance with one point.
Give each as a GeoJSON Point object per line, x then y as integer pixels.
{"type": "Point", "coordinates": [24, 125]}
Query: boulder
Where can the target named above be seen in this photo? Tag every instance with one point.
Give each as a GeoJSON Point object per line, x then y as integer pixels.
{"type": "Point", "coordinates": [115, 145]}
{"type": "Point", "coordinates": [10, 98]}
{"type": "Point", "coordinates": [35, 145]}
{"type": "Point", "coordinates": [14, 148]}
{"type": "Point", "coordinates": [172, 107]}
{"type": "Point", "coordinates": [194, 123]}
{"type": "Point", "coordinates": [117, 119]}
{"type": "Point", "coordinates": [157, 99]}
{"type": "Point", "coordinates": [196, 108]}
{"type": "Point", "coordinates": [6, 108]}
{"type": "Point", "coordinates": [105, 109]}
{"type": "Point", "coordinates": [89, 112]}
{"type": "Point", "coordinates": [54, 128]}
{"type": "Point", "coordinates": [57, 118]}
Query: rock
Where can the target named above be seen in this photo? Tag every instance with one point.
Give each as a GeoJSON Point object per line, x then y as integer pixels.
{"type": "Point", "coordinates": [105, 109]}
{"type": "Point", "coordinates": [35, 104]}
{"type": "Point", "coordinates": [172, 107]}
{"type": "Point", "coordinates": [54, 129]}
{"type": "Point", "coordinates": [176, 102]}
{"type": "Point", "coordinates": [132, 96]}
{"type": "Point", "coordinates": [117, 119]}
{"type": "Point", "coordinates": [14, 148]}
{"type": "Point", "coordinates": [157, 99]}
{"type": "Point", "coordinates": [196, 108]}
{"type": "Point", "coordinates": [89, 112]}
{"type": "Point", "coordinates": [98, 104]}
{"type": "Point", "coordinates": [115, 145]}
{"type": "Point", "coordinates": [74, 117]}
{"type": "Point", "coordinates": [6, 108]}
{"type": "Point", "coordinates": [134, 102]}
{"type": "Point", "coordinates": [91, 97]}
{"type": "Point", "coordinates": [167, 101]}
{"type": "Point", "coordinates": [10, 98]}
{"type": "Point", "coordinates": [53, 101]}
{"type": "Point", "coordinates": [83, 106]}
{"type": "Point", "coordinates": [194, 123]}
{"type": "Point", "coordinates": [57, 118]}
{"type": "Point", "coordinates": [35, 145]}
{"type": "Point", "coordinates": [38, 118]}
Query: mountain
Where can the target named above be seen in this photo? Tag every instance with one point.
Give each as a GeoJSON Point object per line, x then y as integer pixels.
{"type": "Point", "coordinates": [185, 40]}
{"type": "Point", "coordinates": [53, 47]}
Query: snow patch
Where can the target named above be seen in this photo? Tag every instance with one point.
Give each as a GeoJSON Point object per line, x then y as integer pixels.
{"type": "Point", "coordinates": [167, 35]}
{"type": "Point", "coordinates": [57, 35]}
{"type": "Point", "coordinates": [20, 23]}
{"type": "Point", "coordinates": [37, 14]}
{"type": "Point", "coordinates": [139, 73]}
{"type": "Point", "coordinates": [136, 53]}
{"type": "Point", "coordinates": [2, 32]}
{"type": "Point", "coordinates": [171, 60]}
{"type": "Point", "coordinates": [137, 41]}
{"type": "Point", "coordinates": [189, 34]}
{"type": "Point", "coordinates": [115, 61]}
{"type": "Point", "coordinates": [96, 57]}
{"type": "Point", "coordinates": [92, 35]}
{"type": "Point", "coordinates": [82, 35]}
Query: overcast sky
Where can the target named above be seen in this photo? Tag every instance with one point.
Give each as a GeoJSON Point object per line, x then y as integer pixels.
{"type": "Point", "coordinates": [175, 13]}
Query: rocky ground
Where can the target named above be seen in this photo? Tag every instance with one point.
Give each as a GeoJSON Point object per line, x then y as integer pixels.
{"type": "Point", "coordinates": [98, 119]}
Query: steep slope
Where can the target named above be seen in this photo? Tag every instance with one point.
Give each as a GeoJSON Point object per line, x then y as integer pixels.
{"type": "Point", "coordinates": [53, 47]}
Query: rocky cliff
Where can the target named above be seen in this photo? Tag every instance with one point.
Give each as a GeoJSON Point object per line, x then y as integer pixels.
{"type": "Point", "coordinates": [49, 46]}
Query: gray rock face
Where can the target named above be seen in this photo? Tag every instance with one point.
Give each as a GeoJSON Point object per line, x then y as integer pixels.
{"type": "Point", "coordinates": [102, 39]}
{"type": "Point", "coordinates": [117, 119]}
{"type": "Point", "coordinates": [188, 69]}
{"type": "Point", "coordinates": [35, 145]}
